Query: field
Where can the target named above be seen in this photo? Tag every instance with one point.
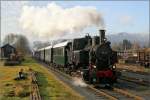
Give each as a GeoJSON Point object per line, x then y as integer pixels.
{"type": "Point", "coordinates": [49, 86]}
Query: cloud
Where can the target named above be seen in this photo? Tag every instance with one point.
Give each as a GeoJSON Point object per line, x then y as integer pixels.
{"type": "Point", "coordinates": [53, 20]}
{"type": "Point", "coordinates": [10, 12]}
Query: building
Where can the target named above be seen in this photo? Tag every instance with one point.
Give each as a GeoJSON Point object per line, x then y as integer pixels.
{"type": "Point", "coordinates": [6, 50]}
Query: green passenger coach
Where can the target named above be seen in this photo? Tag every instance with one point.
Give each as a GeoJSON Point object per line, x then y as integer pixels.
{"type": "Point", "coordinates": [60, 53]}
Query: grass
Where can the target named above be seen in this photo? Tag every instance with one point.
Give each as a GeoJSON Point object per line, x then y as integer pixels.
{"type": "Point", "coordinates": [147, 70]}
{"type": "Point", "coordinates": [50, 87]}
{"type": "Point", "coordinates": [8, 86]}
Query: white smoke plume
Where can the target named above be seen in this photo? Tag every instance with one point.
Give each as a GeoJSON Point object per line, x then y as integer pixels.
{"type": "Point", "coordinates": [15, 40]}
{"type": "Point", "coordinates": [78, 81]}
{"type": "Point", "coordinates": [53, 20]}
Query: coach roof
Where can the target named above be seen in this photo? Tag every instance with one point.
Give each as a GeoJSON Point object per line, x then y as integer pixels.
{"type": "Point", "coordinates": [41, 49]}
{"type": "Point", "coordinates": [48, 47]}
{"type": "Point", "coordinates": [62, 44]}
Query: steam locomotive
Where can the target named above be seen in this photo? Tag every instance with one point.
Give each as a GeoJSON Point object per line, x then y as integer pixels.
{"type": "Point", "coordinates": [93, 56]}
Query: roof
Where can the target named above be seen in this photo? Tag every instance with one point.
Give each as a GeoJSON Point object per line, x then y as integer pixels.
{"type": "Point", "coordinates": [62, 44]}
{"type": "Point", "coordinates": [48, 47]}
{"type": "Point", "coordinates": [7, 45]}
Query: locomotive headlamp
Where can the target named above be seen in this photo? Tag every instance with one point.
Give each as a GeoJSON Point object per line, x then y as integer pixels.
{"type": "Point", "coordinates": [94, 66]}
{"type": "Point", "coordinates": [81, 72]}
{"type": "Point", "coordinates": [114, 66]}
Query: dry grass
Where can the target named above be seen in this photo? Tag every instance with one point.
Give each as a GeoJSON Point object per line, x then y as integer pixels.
{"type": "Point", "coordinates": [50, 87]}
{"type": "Point", "coordinates": [10, 89]}
{"type": "Point", "coordinates": [21, 90]}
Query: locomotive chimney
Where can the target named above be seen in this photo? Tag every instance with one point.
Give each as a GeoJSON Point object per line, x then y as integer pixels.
{"type": "Point", "coordinates": [102, 36]}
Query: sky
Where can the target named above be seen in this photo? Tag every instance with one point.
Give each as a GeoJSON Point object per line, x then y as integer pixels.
{"type": "Point", "coordinates": [119, 16]}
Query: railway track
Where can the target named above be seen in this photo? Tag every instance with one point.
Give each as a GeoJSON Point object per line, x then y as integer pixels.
{"type": "Point", "coordinates": [127, 94]}
{"type": "Point", "coordinates": [132, 71]}
{"type": "Point", "coordinates": [116, 93]}
{"type": "Point", "coordinates": [103, 94]}
{"type": "Point", "coordinates": [35, 94]}
{"type": "Point", "coordinates": [136, 81]}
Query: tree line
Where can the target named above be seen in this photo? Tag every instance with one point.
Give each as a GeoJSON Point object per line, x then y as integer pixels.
{"type": "Point", "coordinates": [21, 43]}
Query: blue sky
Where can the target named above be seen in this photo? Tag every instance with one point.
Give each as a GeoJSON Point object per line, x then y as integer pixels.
{"type": "Point", "coordinates": [113, 11]}
{"type": "Point", "coordinates": [119, 16]}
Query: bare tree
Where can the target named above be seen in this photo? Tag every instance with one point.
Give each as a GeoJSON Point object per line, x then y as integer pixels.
{"type": "Point", "coordinates": [20, 42]}
{"type": "Point", "coordinates": [40, 44]}
{"type": "Point", "coordinates": [126, 44]}
{"type": "Point", "coordinates": [135, 46]}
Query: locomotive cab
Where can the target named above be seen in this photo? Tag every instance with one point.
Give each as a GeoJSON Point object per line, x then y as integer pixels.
{"type": "Point", "coordinates": [80, 56]}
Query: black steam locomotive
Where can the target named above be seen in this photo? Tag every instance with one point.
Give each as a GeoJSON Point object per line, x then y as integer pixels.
{"type": "Point", "coordinates": [91, 55]}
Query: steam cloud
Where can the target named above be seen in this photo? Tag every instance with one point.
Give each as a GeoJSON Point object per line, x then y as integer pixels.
{"type": "Point", "coordinates": [53, 20]}
{"type": "Point", "coordinates": [79, 82]}
{"type": "Point", "coordinates": [14, 41]}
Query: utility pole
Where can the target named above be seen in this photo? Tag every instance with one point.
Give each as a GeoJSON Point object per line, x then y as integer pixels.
{"type": "Point", "coordinates": [149, 39]}
{"type": "Point", "coordinates": [0, 43]}
{"type": "Point", "coordinates": [0, 32]}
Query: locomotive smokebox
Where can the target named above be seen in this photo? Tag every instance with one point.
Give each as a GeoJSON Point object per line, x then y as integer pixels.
{"type": "Point", "coordinates": [102, 36]}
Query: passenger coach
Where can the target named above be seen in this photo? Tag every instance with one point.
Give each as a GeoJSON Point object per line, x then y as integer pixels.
{"type": "Point", "coordinates": [48, 54]}
{"type": "Point", "coordinates": [60, 53]}
{"type": "Point", "coordinates": [42, 54]}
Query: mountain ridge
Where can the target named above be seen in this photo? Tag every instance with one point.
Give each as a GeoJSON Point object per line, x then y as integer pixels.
{"type": "Point", "coordinates": [142, 39]}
